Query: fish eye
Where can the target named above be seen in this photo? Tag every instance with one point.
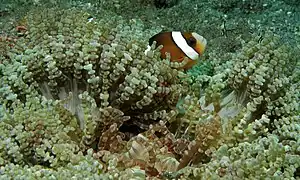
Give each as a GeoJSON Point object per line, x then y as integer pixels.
{"type": "Point", "coordinates": [191, 41]}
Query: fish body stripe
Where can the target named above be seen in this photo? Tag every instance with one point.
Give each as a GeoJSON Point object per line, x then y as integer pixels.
{"type": "Point", "coordinates": [182, 44]}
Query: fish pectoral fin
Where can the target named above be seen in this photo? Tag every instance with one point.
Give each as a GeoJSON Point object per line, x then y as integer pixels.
{"type": "Point", "coordinates": [180, 59]}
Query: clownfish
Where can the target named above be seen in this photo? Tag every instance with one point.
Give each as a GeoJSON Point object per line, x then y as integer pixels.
{"type": "Point", "coordinates": [180, 45]}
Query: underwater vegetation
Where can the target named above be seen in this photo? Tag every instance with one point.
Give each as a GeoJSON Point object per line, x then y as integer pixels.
{"type": "Point", "coordinates": [80, 99]}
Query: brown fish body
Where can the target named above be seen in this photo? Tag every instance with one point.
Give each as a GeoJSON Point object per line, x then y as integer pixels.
{"type": "Point", "coordinates": [180, 46]}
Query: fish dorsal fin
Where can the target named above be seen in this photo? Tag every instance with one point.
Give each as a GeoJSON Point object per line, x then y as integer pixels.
{"type": "Point", "coordinates": [155, 37]}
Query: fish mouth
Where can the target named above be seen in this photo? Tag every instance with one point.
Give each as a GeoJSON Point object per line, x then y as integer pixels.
{"type": "Point", "coordinates": [200, 38]}
{"type": "Point", "coordinates": [201, 43]}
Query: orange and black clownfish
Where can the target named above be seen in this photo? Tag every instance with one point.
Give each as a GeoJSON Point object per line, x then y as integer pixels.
{"type": "Point", "coordinates": [180, 45]}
